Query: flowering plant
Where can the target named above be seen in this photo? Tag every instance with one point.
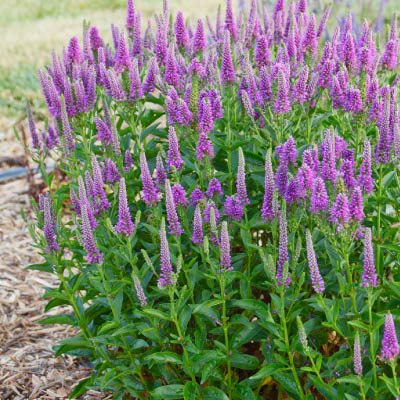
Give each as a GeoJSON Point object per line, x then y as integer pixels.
{"type": "Point", "coordinates": [229, 226]}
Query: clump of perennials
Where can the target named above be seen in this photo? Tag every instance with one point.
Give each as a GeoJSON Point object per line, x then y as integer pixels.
{"type": "Point", "coordinates": [231, 204]}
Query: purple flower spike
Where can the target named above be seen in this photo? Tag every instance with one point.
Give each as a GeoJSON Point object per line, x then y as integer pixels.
{"type": "Point", "coordinates": [225, 249]}
{"type": "Point", "coordinates": [182, 38]}
{"type": "Point", "coordinates": [230, 21]}
{"type": "Point", "coordinates": [214, 187]}
{"type": "Point", "coordinates": [165, 261]}
{"type": "Point", "coordinates": [282, 105]}
{"type": "Point", "coordinates": [122, 59]}
{"type": "Point", "coordinates": [227, 70]}
{"type": "Point", "coordinates": [287, 152]}
{"type": "Point", "coordinates": [92, 254]}
{"type": "Point", "coordinates": [390, 345]}
{"type": "Point", "coordinates": [197, 236]}
{"type": "Point", "coordinates": [357, 356]}
{"type": "Point", "coordinates": [95, 39]}
{"type": "Point", "coordinates": [103, 131]}
{"type": "Point", "coordinates": [316, 278]}
{"type": "Point", "coordinates": [328, 170]}
{"type": "Point", "coordinates": [171, 69]}
{"type": "Point", "coordinates": [319, 196]}
{"type": "Point", "coordinates": [283, 253]}
{"type": "Point", "coordinates": [99, 185]}
{"type": "Point", "coordinates": [174, 157]}
{"type": "Point", "coordinates": [161, 175]}
{"type": "Point", "coordinates": [125, 225]}
{"type": "Point", "coordinates": [281, 178]}
{"type": "Point", "coordinates": [207, 212]}
{"type": "Point", "coordinates": [173, 221]}
{"type": "Point", "coordinates": [128, 161]}
{"type": "Point", "coordinates": [365, 177]}
{"type": "Point", "coordinates": [48, 228]}
{"type": "Point", "coordinates": [74, 54]}
{"type": "Point", "coordinates": [206, 122]}
{"type": "Point", "coordinates": [310, 36]}
{"type": "Point", "coordinates": [234, 208]}
{"type": "Point", "coordinates": [262, 56]}
{"type": "Point", "coordinates": [204, 147]}
{"type": "Point", "coordinates": [199, 40]}
{"type": "Point", "coordinates": [179, 195]}
{"type": "Point", "coordinates": [139, 291]}
{"type": "Point", "coordinates": [356, 206]}
{"type": "Point", "coordinates": [241, 180]}
{"type": "Point", "coordinates": [149, 194]}
{"type": "Point", "coordinates": [32, 129]}
{"type": "Point", "coordinates": [66, 127]}
{"type": "Point", "coordinates": [84, 201]}
{"type": "Point", "coordinates": [267, 211]}
{"type": "Point", "coordinates": [149, 84]}
{"type": "Point", "coordinates": [130, 14]}
{"type": "Point", "coordinates": [369, 277]}
{"type": "Point", "coordinates": [384, 147]}
{"type": "Point", "coordinates": [75, 201]}
{"type": "Point", "coordinates": [340, 213]}
{"type": "Point", "coordinates": [111, 173]}
{"type": "Point", "coordinates": [196, 196]}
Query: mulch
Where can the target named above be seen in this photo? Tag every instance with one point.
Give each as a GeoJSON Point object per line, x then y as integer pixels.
{"type": "Point", "coordinates": [28, 368]}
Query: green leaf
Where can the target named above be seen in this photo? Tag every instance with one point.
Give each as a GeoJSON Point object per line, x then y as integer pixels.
{"type": "Point", "coordinates": [156, 313]}
{"type": "Point", "coordinates": [349, 379]}
{"type": "Point", "coordinates": [359, 324]}
{"type": "Point", "coordinates": [117, 303]}
{"type": "Point", "coordinates": [244, 335]}
{"type": "Point", "coordinates": [80, 388]}
{"type": "Point", "coordinates": [208, 368]}
{"type": "Point", "coordinates": [288, 384]}
{"type": "Point", "coordinates": [207, 304]}
{"type": "Point", "coordinates": [168, 392]}
{"type": "Point", "coordinates": [184, 318]}
{"type": "Point", "coordinates": [45, 267]}
{"type": "Point", "coordinates": [189, 391]}
{"type": "Point", "coordinates": [390, 385]}
{"type": "Point", "coordinates": [244, 392]}
{"type": "Point", "coordinates": [251, 305]}
{"type": "Point", "coordinates": [64, 319]}
{"type": "Point", "coordinates": [244, 361]}
{"type": "Point", "coordinates": [213, 393]}
{"type": "Point", "coordinates": [327, 391]}
{"type": "Point", "coordinates": [164, 357]}
{"type": "Point", "coordinates": [267, 370]}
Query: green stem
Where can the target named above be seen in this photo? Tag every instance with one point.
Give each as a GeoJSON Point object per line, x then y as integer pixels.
{"type": "Point", "coordinates": [393, 365]}
{"type": "Point", "coordinates": [371, 339]}
{"type": "Point", "coordinates": [286, 336]}
{"type": "Point", "coordinates": [225, 326]}
{"type": "Point", "coordinates": [378, 225]}
{"type": "Point", "coordinates": [361, 388]}
{"type": "Point", "coordinates": [350, 279]}
{"type": "Point", "coordinates": [182, 339]}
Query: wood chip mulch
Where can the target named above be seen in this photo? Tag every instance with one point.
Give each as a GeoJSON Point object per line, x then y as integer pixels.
{"type": "Point", "coordinates": [28, 369]}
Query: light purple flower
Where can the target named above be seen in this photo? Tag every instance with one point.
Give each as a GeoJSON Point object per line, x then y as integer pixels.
{"type": "Point", "coordinates": [356, 206]}
{"type": "Point", "coordinates": [149, 194]}
{"type": "Point", "coordinates": [319, 196]}
{"type": "Point", "coordinates": [179, 195]}
{"type": "Point", "coordinates": [234, 208]}
{"type": "Point", "coordinates": [225, 249]}
{"type": "Point", "coordinates": [283, 252]}
{"type": "Point", "coordinates": [196, 196]}
{"type": "Point", "coordinates": [204, 147]}
{"type": "Point", "coordinates": [357, 356]}
{"type": "Point", "coordinates": [340, 213]}
{"type": "Point", "coordinates": [165, 261]}
{"type": "Point", "coordinates": [197, 236]}
{"type": "Point", "coordinates": [92, 253]}
{"type": "Point", "coordinates": [369, 277]}
{"type": "Point", "coordinates": [161, 175]}
{"type": "Point", "coordinates": [125, 225]}
{"type": "Point", "coordinates": [182, 38]}
{"type": "Point", "coordinates": [365, 177]}
{"type": "Point", "coordinates": [390, 345]}
{"type": "Point", "coordinates": [241, 180]}
{"type": "Point", "coordinates": [267, 211]}
{"type": "Point", "coordinates": [139, 291]}
{"type": "Point", "coordinates": [110, 171]}
{"type": "Point", "coordinates": [227, 70]}
{"type": "Point", "coordinates": [48, 228]}
{"type": "Point", "coordinates": [214, 187]}
{"type": "Point", "coordinates": [173, 222]}
{"type": "Point", "coordinates": [174, 157]}
{"type": "Point", "coordinates": [128, 161]}
{"type": "Point", "coordinates": [316, 278]}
